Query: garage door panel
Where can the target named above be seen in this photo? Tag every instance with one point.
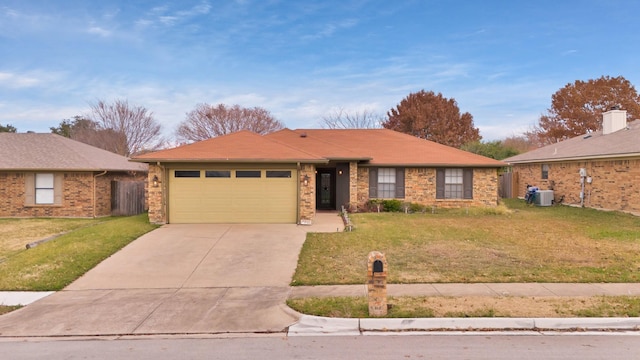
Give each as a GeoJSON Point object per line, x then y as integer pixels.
{"type": "Point", "coordinates": [233, 200]}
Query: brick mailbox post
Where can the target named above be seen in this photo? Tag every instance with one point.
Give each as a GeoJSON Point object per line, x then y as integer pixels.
{"type": "Point", "coordinates": [377, 271]}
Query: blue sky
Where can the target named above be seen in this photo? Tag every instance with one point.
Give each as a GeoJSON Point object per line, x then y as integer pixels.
{"type": "Point", "coordinates": [301, 60]}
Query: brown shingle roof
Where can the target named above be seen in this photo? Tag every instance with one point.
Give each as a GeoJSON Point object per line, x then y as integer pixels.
{"type": "Point", "coordinates": [383, 147]}
{"type": "Point", "coordinates": [29, 151]}
{"type": "Point", "coordinates": [622, 143]}
{"type": "Point", "coordinates": [378, 146]}
{"type": "Point", "coordinates": [242, 146]}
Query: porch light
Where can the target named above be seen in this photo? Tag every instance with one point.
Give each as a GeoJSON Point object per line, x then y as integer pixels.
{"type": "Point", "coordinates": [305, 180]}
{"type": "Point", "coordinates": [155, 180]}
{"type": "Point", "coordinates": [339, 172]}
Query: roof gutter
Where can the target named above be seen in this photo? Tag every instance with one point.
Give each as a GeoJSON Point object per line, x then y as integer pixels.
{"type": "Point", "coordinates": [489, 166]}
{"type": "Point", "coordinates": [235, 161]}
{"type": "Point", "coordinates": [578, 158]}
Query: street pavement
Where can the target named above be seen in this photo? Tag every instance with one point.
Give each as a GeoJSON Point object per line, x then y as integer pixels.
{"type": "Point", "coordinates": [214, 279]}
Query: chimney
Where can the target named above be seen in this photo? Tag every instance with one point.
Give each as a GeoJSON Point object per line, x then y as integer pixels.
{"type": "Point", "coordinates": [614, 120]}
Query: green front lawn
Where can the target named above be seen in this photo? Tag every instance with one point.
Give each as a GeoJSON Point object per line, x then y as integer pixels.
{"type": "Point", "coordinates": [514, 243]}
{"type": "Point", "coordinates": [476, 306]}
{"type": "Point", "coordinates": [56, 263]}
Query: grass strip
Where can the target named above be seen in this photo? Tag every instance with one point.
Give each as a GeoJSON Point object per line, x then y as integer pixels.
{"type": "Point", "coordinates": [429, 307]}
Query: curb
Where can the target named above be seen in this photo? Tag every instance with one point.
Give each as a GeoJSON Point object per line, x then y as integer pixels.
{"type": "Point", "coordinates": [318, 326]}
{"type": "Point", "coordinates": [15, 298]}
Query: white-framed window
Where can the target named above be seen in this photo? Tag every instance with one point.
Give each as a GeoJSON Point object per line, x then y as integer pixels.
{"type": "Point", "coordinates": [453, 184]}
{"type": "Point", "coordinates": [44, 189]}
{"type": "Point", "coordinates": [545, 171]}
{"type": "Point", "coordinates": [386, 183]}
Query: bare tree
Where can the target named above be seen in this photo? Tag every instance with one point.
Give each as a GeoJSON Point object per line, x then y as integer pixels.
{"type": "Point", "coordinates": [340, 119]}
{"type": "Point", "coordinates": [207, 121]}
{"type": "Point", "coordinates": [90, 132]}
{"type": "Point", "coordinates": [135, 127]}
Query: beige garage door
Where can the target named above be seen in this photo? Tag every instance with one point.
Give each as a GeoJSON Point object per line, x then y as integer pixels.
{"type": "Point", "coordinates": [232, 196]}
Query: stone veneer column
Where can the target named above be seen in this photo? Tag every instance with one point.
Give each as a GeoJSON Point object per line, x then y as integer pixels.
{"type": "Point", "coordinates": [307, 205]}
{"type": "Point", "coordinates": [353, 186]}
{"type": "Point", "coordinates": [157, 213]}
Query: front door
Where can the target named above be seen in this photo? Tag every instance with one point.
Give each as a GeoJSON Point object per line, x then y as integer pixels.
{"type": "Point", "coordinates": [326, 189]}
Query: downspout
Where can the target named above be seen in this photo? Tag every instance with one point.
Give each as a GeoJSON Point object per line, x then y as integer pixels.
{"type": "Point", "coordinates": [298, 197]}
{"type": "Point", "coordinates": [94, 192]}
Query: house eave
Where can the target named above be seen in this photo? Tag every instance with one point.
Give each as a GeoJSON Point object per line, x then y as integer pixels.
{"type": "Point", "coordinates": [578, 158]}
{"type": "Point", "coordinates": [70, 170]}
{"type": "Point", "coordinates": [434, 165]}
{"type": "Point", "coordinates": [235, 161]}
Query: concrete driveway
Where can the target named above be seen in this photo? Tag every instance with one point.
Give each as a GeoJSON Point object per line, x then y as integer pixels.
{"type": "Point", "coordinates": [179, 279]}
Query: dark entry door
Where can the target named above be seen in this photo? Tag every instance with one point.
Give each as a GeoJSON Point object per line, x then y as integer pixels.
{"type": "Point", "coordinates": [326, 189]}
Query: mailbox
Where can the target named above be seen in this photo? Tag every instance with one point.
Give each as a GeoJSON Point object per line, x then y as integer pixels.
{"type": "Point", "coordinates": [377, 270]}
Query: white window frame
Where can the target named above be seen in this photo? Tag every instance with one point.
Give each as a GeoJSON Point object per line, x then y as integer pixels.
{"type": "Point", "coordinates": [386, 183]}
{"type": "Point", "coordinates": [453, 183]}
{"type": "Point", "coordinates": [44, 189]}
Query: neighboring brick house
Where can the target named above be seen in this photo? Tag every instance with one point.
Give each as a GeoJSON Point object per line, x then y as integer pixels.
{"type": "Point", "coordinates": [47, 175]}
{"type": "Point", "coordinates": [598, 170]}
{"type": "Point", "coordinates": [286, 176]}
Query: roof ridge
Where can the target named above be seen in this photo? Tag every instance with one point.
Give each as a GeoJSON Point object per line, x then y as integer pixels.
{"type": "Point", "coordinates": [325, 141]}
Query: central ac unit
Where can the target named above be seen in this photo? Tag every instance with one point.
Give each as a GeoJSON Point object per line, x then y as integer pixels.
{"type": "Point", "coordinates": [544, 198]}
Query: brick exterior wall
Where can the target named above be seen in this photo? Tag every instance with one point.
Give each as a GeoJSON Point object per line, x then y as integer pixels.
{"type": "Point", "coordinates": [155, 197]}
{"type": "Point", "coordinates": [77, 195]}
{"type": "Point", "coordinates": [307, 206]}
{"type": "Point", "coordinates": [353, 185]}
{"type": "Point", "coordinates": [420, 188]}
{"type": "Point", "coordinates": [614, 184]}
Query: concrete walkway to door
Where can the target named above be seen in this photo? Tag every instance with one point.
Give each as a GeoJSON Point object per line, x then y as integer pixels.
{"type": "Point", "coordinates": [179, 279]}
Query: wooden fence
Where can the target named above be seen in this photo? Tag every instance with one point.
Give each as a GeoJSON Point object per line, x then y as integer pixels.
{"type": "Point", "coordinates": [508, 185]}
{"type": "Point", "coordinates": [127, 198]}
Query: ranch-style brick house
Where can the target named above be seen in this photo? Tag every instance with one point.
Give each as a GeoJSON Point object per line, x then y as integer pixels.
{"type": "Point", "coordinates": [48, 175]}
{"type": "Point", "coordinates": [600, 169]}
{"type": "Point", "coordinates": [288, 175]}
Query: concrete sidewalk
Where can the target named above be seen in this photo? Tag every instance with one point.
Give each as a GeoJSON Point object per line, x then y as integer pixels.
{"type": "Point", "coordinates": [477, 289]}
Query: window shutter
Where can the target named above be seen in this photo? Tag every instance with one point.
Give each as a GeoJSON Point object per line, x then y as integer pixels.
{"type": "Point", "coordinates": [467, 183]}
{"type": "Point", "coordinates": [439, 183]}
{"type": "Point", "coordinates": [57, 188]}
{"type": "Point", "coordinates": [399, 183]}
{"type": "Point", "coordinates": [373, 183]}
{"type": "Point", "coordinates": [29, 189]}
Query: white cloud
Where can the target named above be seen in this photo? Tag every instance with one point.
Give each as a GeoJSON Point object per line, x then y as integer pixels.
{"type": "Point", "coordinates": [162, 16]}
{"type": "Point", "coordinates": [12, 80]}
{"type": "Point", "coordinates": [329, 29]}
{"type": "Point", "coordinates": [99, 31]}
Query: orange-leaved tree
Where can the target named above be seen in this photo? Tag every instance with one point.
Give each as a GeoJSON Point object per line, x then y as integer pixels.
{"type": "Point", "coordinates": [577, 108]}
{"type": "Point", "coordinates": [433, 117]}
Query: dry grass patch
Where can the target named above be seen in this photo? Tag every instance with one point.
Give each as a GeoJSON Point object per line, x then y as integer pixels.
{"type": "Point", "coordinates": [15, 234]}
{"type": "Point", "coordinates": [55, 264]}
{"type": "Point", "coordinates": [477, 306]}
{"type": "Point", "coordinates": [6, 309]}
{"type": "Point", "coordinates": [525, 244]}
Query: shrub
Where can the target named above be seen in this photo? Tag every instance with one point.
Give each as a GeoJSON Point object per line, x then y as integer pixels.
{"type": "Point", "coordinates": [392, 205]}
